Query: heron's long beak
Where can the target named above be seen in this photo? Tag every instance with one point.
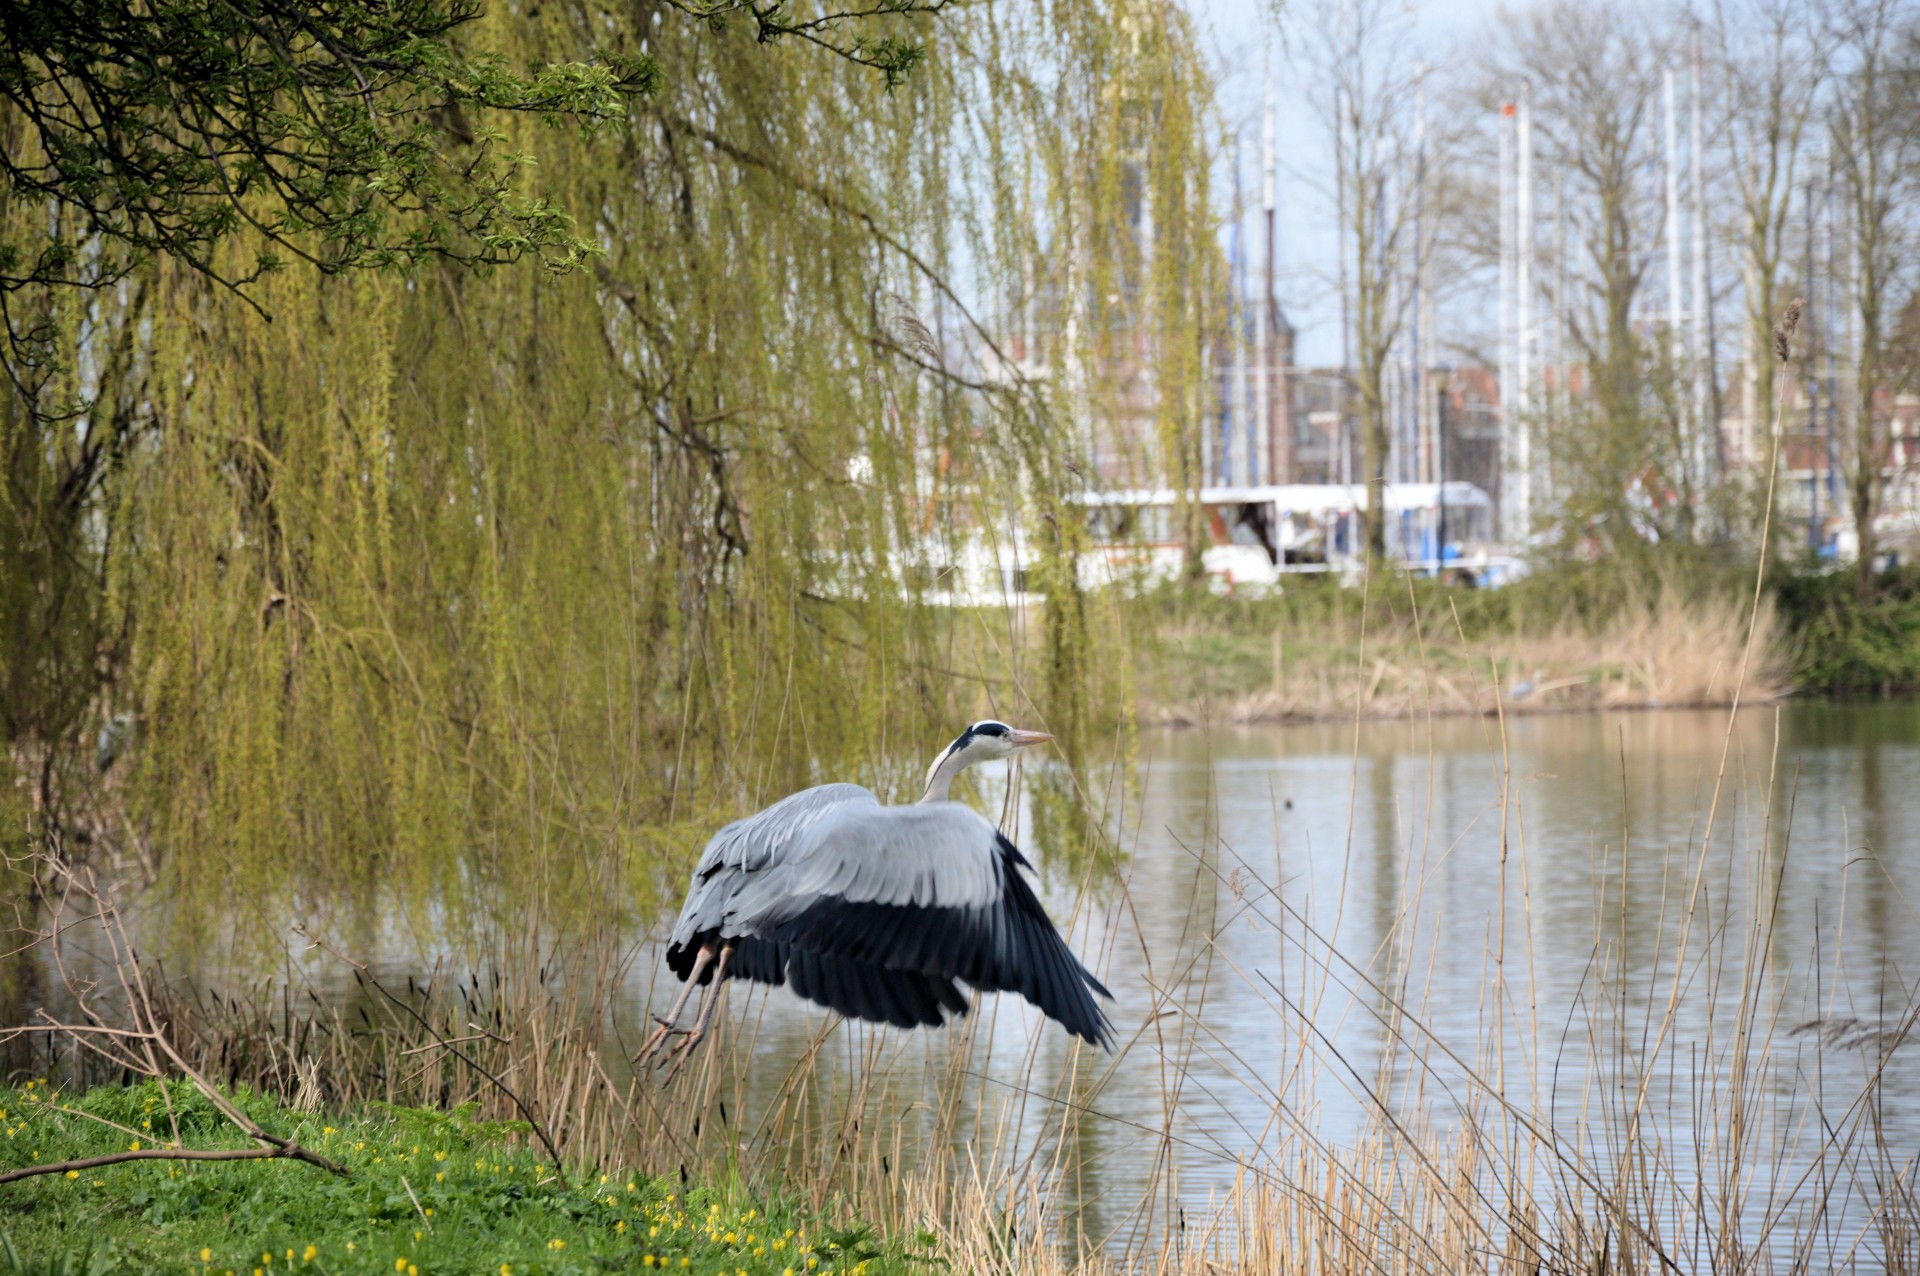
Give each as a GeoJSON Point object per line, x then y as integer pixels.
{"type": "Point", "coordinates": [1021, 739]}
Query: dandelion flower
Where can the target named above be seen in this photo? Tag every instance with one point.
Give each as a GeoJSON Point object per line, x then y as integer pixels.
{"type": "Point", "coordinates": [556, 1243]}
{"type": "Point", "coordinates": [311, 1252]}
{"type": "Point", "coordinates": [399, 1264]}
{"type": "Point", "coordinates": [206, 1255]}
{"type": "Point", "coordinates": [73, 1174]}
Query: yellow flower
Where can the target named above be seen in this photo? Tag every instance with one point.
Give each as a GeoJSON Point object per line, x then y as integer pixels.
{"type": "Point", "coordinates": [308, 1255]}
{"type": "Point", "coordinates": [73, 1174]}
{"type": "Point", "coordinates": [629, 1187]}
{"type": "Point", "coordinates": [440, 1156]}
{"type": "Point", "coordinates": [647, 1261]}
{"type": "Point", "coordinates": [441, 1177]}
{"type": "Point", "coordinates": [556, 1243]}
{"type": "Point", "coordinates": [399, 1264]}
{"type": "Point", "coordinates": [145, 1125]}
{"type": "Point", "coordinates": [412, 1270]}
{"type": "Point", "coordinates": [505, 1270]}
{"type": "Point", "coordinates": [289, 1256]}
{"type": "Point", "coordinates": [206, 1255]}
{"type": "Point", "coordinates": [328, 1130]}
{"type": "Point", "coordinates": [351, 1247]}
{"type": "Point", "coordinates": [266, 1260]}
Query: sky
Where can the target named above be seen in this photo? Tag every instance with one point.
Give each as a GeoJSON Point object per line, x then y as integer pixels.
{"type": "Point", "coordinates": [1236, 33]}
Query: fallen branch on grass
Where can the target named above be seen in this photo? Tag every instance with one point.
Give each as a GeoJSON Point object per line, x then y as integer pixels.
{"type": "Point", "coordinates": [284, 1151]}
{"type": "Point", "coordinates": [142, 1048]}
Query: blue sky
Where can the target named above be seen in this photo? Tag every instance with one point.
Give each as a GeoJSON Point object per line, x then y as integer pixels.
{"type": "Point", "coordinates": [1235, 33]}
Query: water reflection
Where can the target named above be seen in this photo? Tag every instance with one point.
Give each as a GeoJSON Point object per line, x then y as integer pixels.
{"type": "Point", "coordinates": [1311, 923]}
{"type": "Point", "coordinates": [1307, 926]}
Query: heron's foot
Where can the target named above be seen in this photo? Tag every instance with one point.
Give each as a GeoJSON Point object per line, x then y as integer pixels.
{"type": "Point", "coordinates": [653, 1043]}
{"type": "Point", "coordinates": [681, 1052]}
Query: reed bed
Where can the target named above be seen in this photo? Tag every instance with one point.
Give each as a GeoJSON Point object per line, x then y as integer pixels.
{"type": "Point", "coordinates": [1666, 648]}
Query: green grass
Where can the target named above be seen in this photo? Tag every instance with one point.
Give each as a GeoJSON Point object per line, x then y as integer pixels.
{"type": "Point", "coordinates": [428, 1192]}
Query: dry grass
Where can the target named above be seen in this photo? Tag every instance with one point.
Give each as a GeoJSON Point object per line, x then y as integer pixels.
{"type": "Point", "coordinates": [1668, 651]}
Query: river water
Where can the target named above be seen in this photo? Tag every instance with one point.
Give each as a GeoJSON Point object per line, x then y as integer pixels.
{"type": "Point", "coordinates": [1315, 930]}
{"type": "Point", "coordinates": [1315, 934]}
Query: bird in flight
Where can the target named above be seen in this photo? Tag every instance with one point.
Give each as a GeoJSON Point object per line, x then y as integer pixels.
{"type": "Point", "coordinates": [875, 911]}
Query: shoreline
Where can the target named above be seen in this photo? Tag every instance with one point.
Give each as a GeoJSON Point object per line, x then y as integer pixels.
{"type": "Point", "coordinates": [1187, 718]}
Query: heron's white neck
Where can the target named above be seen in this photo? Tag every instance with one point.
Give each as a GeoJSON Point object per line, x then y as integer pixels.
{"type": "Point", "coordinates": [940, 777]}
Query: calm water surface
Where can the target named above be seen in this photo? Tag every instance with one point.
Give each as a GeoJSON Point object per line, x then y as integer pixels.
{"type": "Point", "coordinates": [1310, 928]}
{"type": "Point", "coordinates": [1287, 892]}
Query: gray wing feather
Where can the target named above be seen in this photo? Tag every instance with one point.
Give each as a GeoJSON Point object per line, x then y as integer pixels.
{"type": "Point", "coordinates": [749, 847]}
{"type": "Point", "coordinates": [936, 856]}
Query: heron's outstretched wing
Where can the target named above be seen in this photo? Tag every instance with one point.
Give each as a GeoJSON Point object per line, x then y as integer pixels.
{"type": "Point", "coordinates": [934, 891]}
{"type": "Point", "coordinates": [857, 989]}
{"type": "Point", "coordinates": [743, 851]}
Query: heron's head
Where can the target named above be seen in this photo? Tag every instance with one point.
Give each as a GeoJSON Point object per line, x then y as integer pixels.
{"type": "Point", "coordinates": [984, 741]}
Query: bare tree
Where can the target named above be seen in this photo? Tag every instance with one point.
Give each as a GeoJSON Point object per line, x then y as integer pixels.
{"type": "Point", "coordinates": [1362, 55]}
{"type": "Point", "coordinates": [1876, 145]}
{"type": "Point", "coordinates": [1593, 73]}
{"type": "Point", "coordinates": [1772, 63]}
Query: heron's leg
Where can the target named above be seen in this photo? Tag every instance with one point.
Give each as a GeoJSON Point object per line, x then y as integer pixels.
{"type": "Point", "coordinates": [683, 1051]}
{"type": "Point", "coordinates": [666, 1028]}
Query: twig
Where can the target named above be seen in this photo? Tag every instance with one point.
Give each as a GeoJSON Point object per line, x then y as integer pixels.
{"type": "Point", "coordinates": [539, 1127]}
{"type": "Point", "coordinates": [416, 1203]}
{"type": "Point", "coordinates": [286, 1151]}
{"type": "Point", "coordinates": [147, 1041]}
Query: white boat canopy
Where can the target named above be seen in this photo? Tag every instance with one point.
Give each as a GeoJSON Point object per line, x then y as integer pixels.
{"type": "Point", "coordinates": [1305, 498]}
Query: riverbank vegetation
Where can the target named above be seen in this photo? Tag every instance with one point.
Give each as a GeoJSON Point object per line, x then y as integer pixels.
{"type": "Point", "coordinates": [422, 1190]}
{"type": "Point", "coordinates": [1570, 637]}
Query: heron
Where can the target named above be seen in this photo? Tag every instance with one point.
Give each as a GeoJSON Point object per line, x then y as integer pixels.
{"type": "Point", "coordinates": [875, 911]}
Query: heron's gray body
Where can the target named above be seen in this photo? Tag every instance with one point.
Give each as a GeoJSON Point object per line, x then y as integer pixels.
{"type": "Point", "coordinates": [876, 911]}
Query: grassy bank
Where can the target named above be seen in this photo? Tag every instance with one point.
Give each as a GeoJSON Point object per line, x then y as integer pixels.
{"type": "Point", "coordinates": [1572, 639]}
{"type": "Point", "coordinates": [425, 1191]}
{"type": "Point", "coordinates": [1670, 633]}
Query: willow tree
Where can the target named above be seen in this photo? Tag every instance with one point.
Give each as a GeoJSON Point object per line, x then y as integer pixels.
{"type": "Point", "coordinates": [449, 579]}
